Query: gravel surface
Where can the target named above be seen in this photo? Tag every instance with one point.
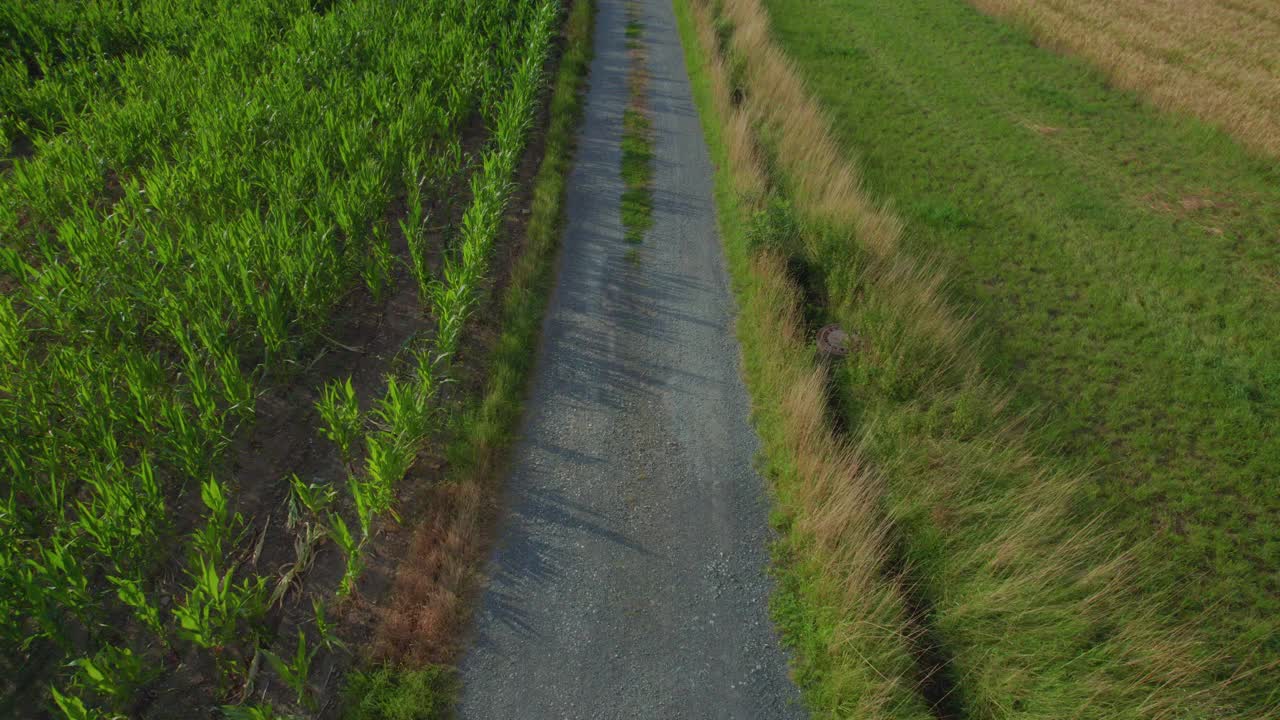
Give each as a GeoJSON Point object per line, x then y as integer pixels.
{"type": "Point", "coordinates": [630, 576]}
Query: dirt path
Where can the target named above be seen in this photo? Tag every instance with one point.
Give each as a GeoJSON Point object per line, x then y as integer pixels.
{"type": "Point", "coordinates": [629, 581]}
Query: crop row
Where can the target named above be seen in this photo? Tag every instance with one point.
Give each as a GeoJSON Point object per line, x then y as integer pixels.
{"type": "Point", "coordinates": [407, 412]}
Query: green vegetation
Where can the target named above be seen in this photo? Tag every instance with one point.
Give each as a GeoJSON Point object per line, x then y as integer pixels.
{"type": "Point", "coordinates": [206, 183]}
{"type": "Point", "coordinates": [489, 427]}
{"type": "Point", "coordinates": [977, 576]}
{"type": "Point", "coordinates": [386, 694]}
{"type": "Point", "coordinates": [637, 142]}
{"type": "Point", "coordinates": [58, 59]}
{"type": "Point", "coordinates": [485, 428]}
{"type": "Point", "coordinates": [637, 174]}
{"type": "Point", "coordinates": [1122, 264]}
{"type": "Point", "coordinates": [852, 651]}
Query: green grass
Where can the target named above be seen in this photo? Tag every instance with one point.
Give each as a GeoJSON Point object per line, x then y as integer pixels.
{"type": "Point", "coordinates": [386, 694]}
{"type": "Point", "coordinates": [637, 175]}
{"type": "Point", "coordinates": [634, 32]}
{"type": "Point", "coordinates": [1134, 323]}
{"type": "Point", "coordinates": [637, 145]}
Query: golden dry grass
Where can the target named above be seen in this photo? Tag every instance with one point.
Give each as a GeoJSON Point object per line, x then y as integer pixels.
{"type": "Point", "coordinates": [1216, 59]}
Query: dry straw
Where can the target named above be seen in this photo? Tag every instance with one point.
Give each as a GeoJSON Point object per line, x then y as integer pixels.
{"type": "Point", "coordinates": [1214, 59]}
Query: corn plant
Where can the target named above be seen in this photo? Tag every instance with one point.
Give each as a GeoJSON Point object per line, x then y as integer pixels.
{"type": "Point", "coordinates": [352, 552]}
{"type": "Point", "coordinates": [294, 672]}
{"type": "Point", "coordinates": [388, 460]}
{"type": "Point", "coordinates": [113, 674]}
{"type": "Point", "coordinates": [212, 538]}
{"type": "Point", "coordinates": [413, 227]}
{"type": "Point", "coordinates": [377, 267]}
{"type": "Point", "coordinates": [192, 214]}
{"type": "Point", "coordinates": [73, 708]}
{"type": "Point", "coordinates": [57, 587]}
{"type": "Point", "coordinates": [132, 596]}
{"type": "Point", "coordinates": [364, 502]}
{"type": "Point", "coordinates": [328, 635]}
{"type": "Point", "coordinates": [314, 498]}
{"type": "Point", "coordinates": [305, 541]}
{"type": "Point", "coordinates": [212, 613]}
{"type": "Point", "coordinates": [403, 410]}
{"type": "Point", "coordinates": [340, 413]}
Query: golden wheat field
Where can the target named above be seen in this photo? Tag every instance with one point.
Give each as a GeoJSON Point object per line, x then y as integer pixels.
{"type": "Point", "coordinates": [1216, 59]}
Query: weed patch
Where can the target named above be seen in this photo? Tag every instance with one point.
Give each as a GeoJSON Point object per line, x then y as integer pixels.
{"type": "Point", "coordinates": [637, 140]}
{"type": "Point", "coordinates": [386, 694]}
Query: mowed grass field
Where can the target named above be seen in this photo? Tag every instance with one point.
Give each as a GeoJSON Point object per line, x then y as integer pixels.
{"type": "Point", "coordinates": [193, 196]}
{"type": "Point", "coordinates": [1215, 59]}
{"type": "Point", "coordinates": [1122, 266]}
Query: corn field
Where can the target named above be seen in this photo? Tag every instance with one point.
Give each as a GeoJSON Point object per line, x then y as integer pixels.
{"type": "Point", "coordinates": [189, 189]}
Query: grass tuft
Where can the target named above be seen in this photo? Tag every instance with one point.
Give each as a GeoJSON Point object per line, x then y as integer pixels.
{"type": "Point", "coordinates": [393, 694]}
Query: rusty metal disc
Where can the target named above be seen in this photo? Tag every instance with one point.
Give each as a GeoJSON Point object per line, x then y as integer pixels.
{"type": "Point", "coordinates": [833, 340]}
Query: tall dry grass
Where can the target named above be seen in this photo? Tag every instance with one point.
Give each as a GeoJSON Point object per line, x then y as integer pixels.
{"type": "Point", "coordinates": [834, 496]}
{"type": "Point", "coordinates": [1038, 608]}
{"type": "Point", "coordinates": [1218, 60]}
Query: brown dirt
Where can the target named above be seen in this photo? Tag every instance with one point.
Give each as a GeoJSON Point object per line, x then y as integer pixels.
{"type": "Point", "coordinates": [20, 148]}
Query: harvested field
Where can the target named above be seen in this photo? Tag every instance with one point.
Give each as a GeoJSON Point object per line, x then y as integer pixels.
{"type": "Point", "coordinates": [1218, 60]}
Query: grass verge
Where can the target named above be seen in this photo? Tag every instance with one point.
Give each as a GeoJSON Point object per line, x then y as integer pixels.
{"type": "Point", "coordinates": [421, 633]}
{"type": "Point", "coordinates": [847, 627]}
{"type": "Point", "coordinates": [1122, 265]}
{"type": "Point", "coordinates": [386, 694]}
{"type": "Point", "coordinates": [936, 535]}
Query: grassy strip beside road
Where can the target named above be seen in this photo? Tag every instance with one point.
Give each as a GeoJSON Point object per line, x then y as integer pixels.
{"type": "Point", "coordinates": [847, 627]}
{"type": "Point", "coordinates": [430, 596]}
{"type": "Point", "coordinates": [1123, 265]}
{"type": "Point", "coordinates": [965, 530]}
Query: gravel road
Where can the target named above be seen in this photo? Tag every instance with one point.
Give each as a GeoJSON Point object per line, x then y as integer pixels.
{"type": "Point", "coordinates": [630, 576]}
